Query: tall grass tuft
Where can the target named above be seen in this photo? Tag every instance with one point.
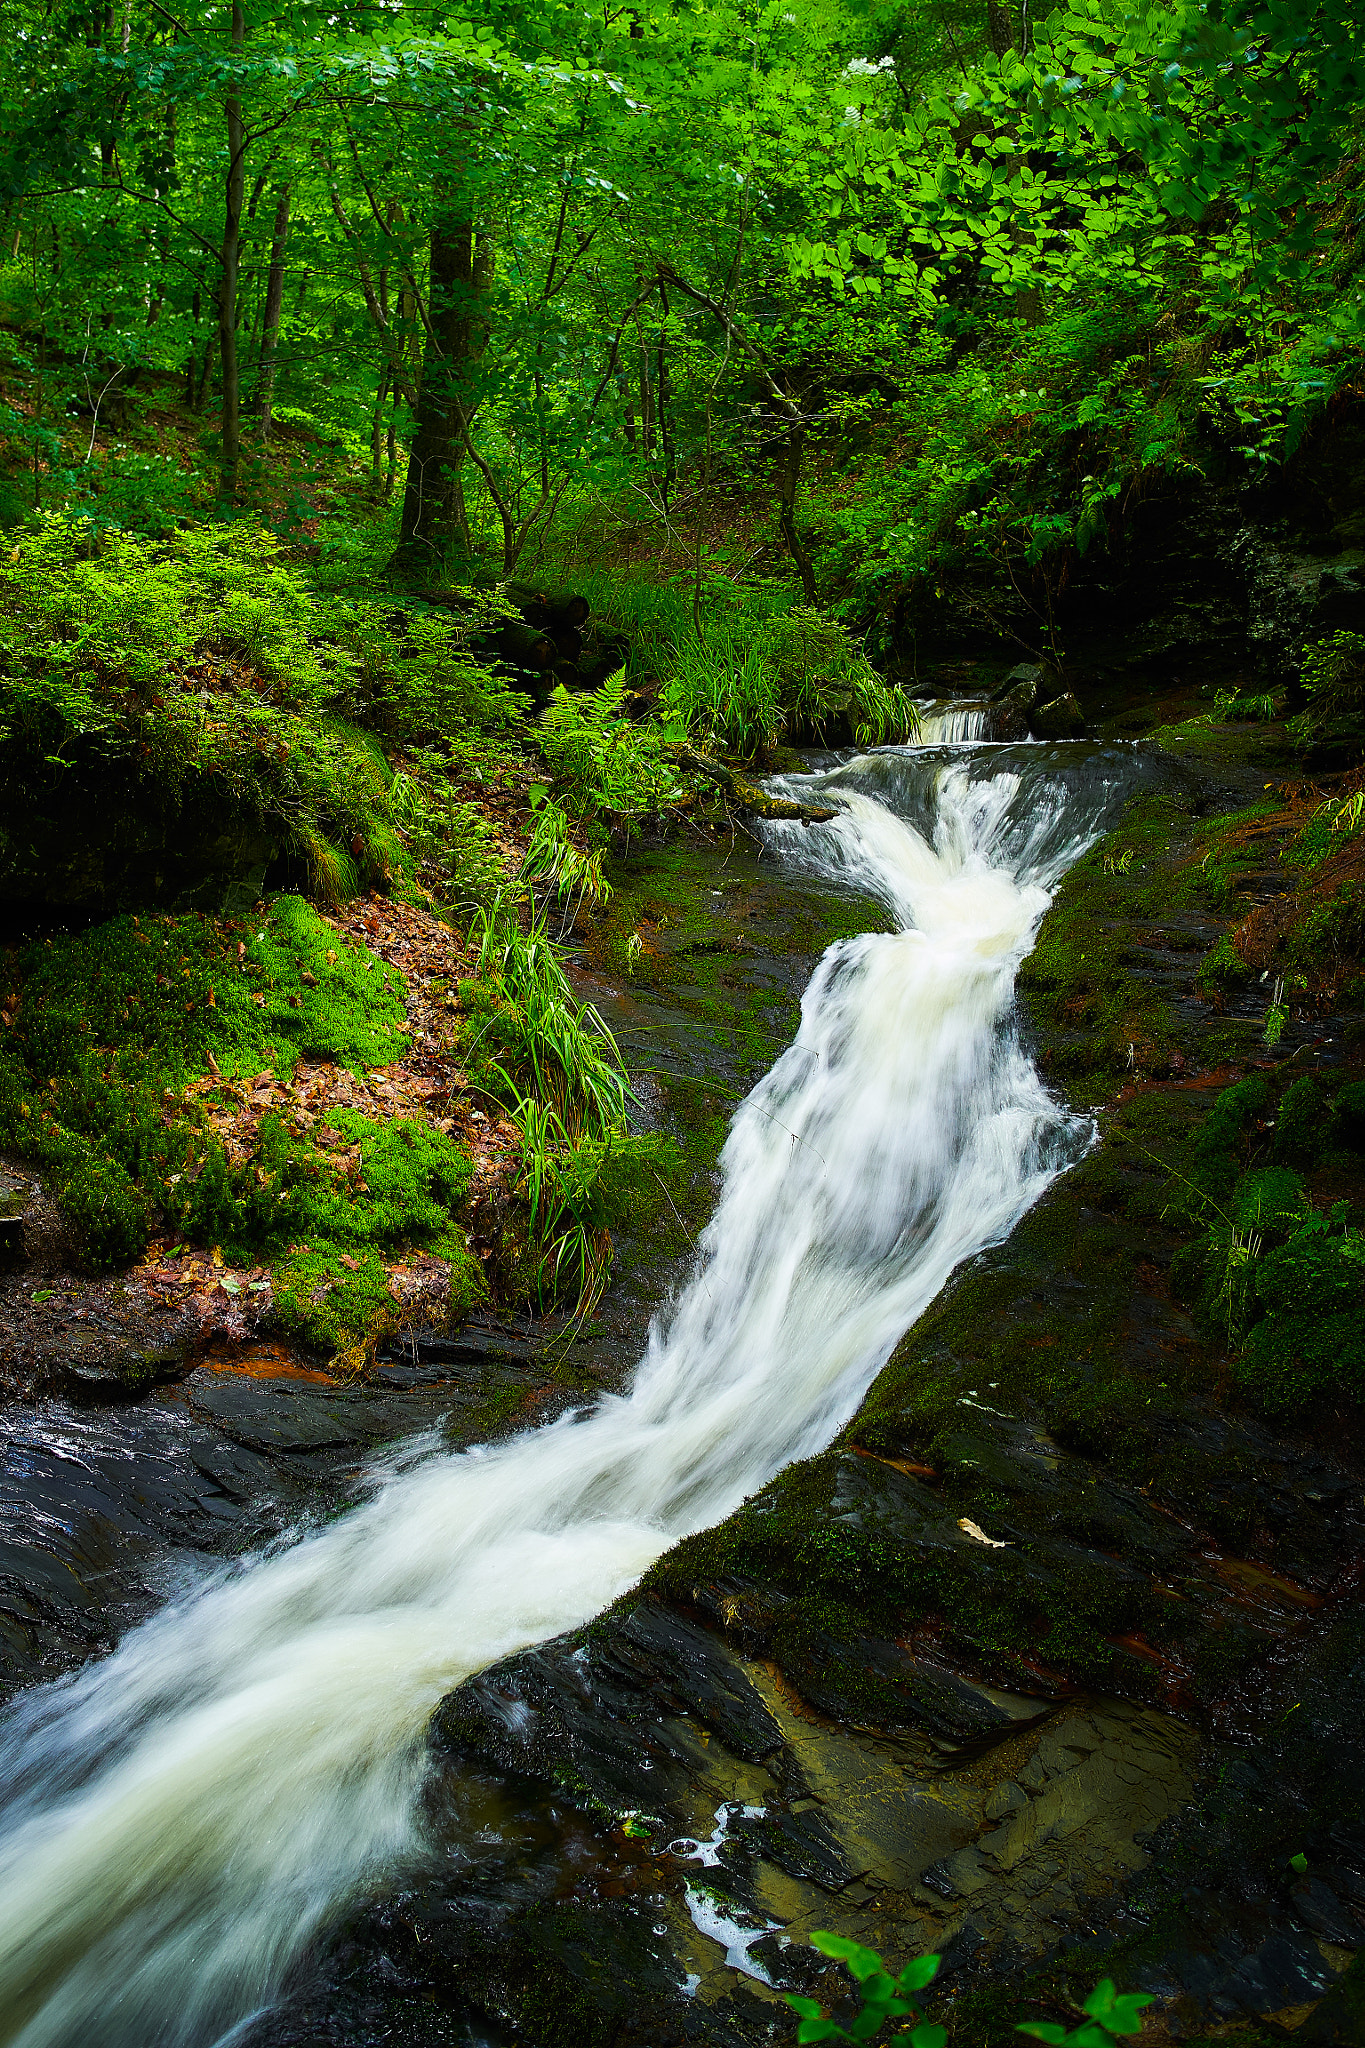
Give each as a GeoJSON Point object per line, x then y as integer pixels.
{"type": "Point", "coordinates": [556, 1064]}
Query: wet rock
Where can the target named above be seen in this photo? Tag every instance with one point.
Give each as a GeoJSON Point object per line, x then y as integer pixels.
{"type": "Point", "coordinates": [102, 1512]}
{"type": "Point", "coordinates": [1295, 595]}
{"type": "Point", "coordinates": [1339, 2020]}
{"type": "Point", "coordinates": [14, 1198]}
{"type": "Point", "coordinates": [280, 1419]}
{"type": "Point", "coordinates": [1022, 686]}
{"type": "Point", "coordinates": [1059, 719]}
{"type": "Point", "coordinates": [101, 1371]}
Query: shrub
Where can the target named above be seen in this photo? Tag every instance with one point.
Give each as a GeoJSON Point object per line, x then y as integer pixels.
{"type": "Point", "coordinates": [1223, 967]}
{"type": "Point", "coordinates": [204, 671]}
{"type": "Point", "coordinates": [797, 675]}
{"type": "Point", "coordinates": [1334, 681]}
{"type": "Point", "coordinates": [605, 762]}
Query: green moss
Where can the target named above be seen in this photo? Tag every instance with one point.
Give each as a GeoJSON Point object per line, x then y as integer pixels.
{"type": "Point", "coordinates": [1336, 927]}
{"type": "Point", "coordinates": [1303, 1121]}
{"type": "Point", "coordinates": [401, 1188]}
{"type": "Point", "coordinates": [1095, 1016]}
{"type": "Point", "coordinates": [1223, 967]}
{"type": "Point", "coordinates": [301, 991]}
{"type": "Point", "coordinates": [112, 1021]}
{"type": "Point", "coordinates": [327, 1303]}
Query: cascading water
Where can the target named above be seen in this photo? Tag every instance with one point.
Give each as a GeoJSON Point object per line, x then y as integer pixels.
{"type": "Point", "coordinates": [183, 1818]}
{"type": "Point", "coordinates": [948, 724]}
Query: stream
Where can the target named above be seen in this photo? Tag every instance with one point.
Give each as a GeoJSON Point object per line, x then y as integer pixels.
{"type": "Point", "coordinates": [182, 1819]}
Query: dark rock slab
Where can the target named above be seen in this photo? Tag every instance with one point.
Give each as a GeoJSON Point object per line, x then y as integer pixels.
{"type": "Point", "coordinates": [100, 1512]}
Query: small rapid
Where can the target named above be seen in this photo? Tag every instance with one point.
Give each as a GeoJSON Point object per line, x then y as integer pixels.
{"type": "Point", "coordinates": [182, 1819]}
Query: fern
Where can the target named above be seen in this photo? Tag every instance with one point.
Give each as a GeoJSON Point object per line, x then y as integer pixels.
{"type": "Point", "coordinates": [605, 762]}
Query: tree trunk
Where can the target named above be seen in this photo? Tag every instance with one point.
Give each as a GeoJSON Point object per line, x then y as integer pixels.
{"type": "Point", "coordinates": [377, 431]}
{"type": "Point", "coordinates": [786, 510]}
{"type": "Point", "coordinates": [434, 514]}
{"type": "Point", "coordinates": [201, 391]}
{"type": "Point", "coordinates": [274, 308]}
{"type": "Point", "coordinates": [233, 202]}
{"type": "Point", "coordinates": [999, 27]}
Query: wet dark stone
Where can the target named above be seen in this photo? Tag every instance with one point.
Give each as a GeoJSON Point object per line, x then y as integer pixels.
{"type": "Point", "coordinates": [597, 1711]}
{"type": "Point", "coordinates": [1059, 719]}
{"type": "Point", "coordinates": [1339, 2021]}
{"type": "Point", "coordinates": [103, 1514]}
{"type": "Point", "coordinates": [277, 1418]}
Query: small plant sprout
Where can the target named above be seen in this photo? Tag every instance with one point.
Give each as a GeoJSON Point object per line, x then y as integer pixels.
{"type": "Point", "coordinates": [884, 1996]}
{"type": "Point", "coordinates": [1108, 2013]}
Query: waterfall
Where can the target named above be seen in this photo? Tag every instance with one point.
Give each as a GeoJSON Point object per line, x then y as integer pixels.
{"type": "Point", "coordinates": [943, 723]}
{"type": "Point", "coordinates": [182, 1818]}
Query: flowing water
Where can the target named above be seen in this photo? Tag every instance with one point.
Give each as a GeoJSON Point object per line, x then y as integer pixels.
{"type": "Point", "coordinates": [181, 1819]}
{"type": "Point", "coordinates": [945, 723]}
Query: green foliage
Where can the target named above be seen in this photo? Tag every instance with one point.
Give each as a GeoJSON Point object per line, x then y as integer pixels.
{"type": "Point", "coordinates": [1108, 2012]}
{"type": "Point", "coordinates": [537, 1040]}
{"type": "Point", "coordinates": [556, 1065]}
{"type": "Point", "coordinates": [205, 669]}
{"type": "Point", "coordinates": [111, 1022]}
{"type": "Point", "coordinates": [1333, 825]}
{"type": "Point", "coordinates": [884, 1996]}
{"type": "Point", "coordinates": [605, 762]}
{"type": "Point", "coordinates": [796, 675]}
{"type": "Point", "coordinates": [454, 844]}
{"type": "Point", "coordinates": [1229, 705]}
{"type": "Point", "coordinates": [552, 857]}
{"type": "Point", "coordinates": [1279, 1282]}
{"type": "Point", "coordinates": [1334, 680]}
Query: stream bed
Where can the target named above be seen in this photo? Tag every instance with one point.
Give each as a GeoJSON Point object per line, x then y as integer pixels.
{"type": "Point", "coordinates": [188, 1817]}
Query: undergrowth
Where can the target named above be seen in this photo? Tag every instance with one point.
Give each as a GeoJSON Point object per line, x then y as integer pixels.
{"type": "Point", "coordinates": [202, 674]}
{"type": "Point", "coordinates": [1272, 1275]}
{"type": "Point", "coordinates": [107, 1027]}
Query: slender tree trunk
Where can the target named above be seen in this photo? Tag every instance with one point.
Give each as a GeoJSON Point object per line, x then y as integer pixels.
{"type": "Point", "coordinates": [786, 510]}
{"type": "Point", "coordinates": [646, 404]}
{"type": "Point", "coordinates": [234, 200]}
{"type": "Point", "coordinates": [661, 401]}
{"type": "Point", "coordinates": [433, 503]}
{"type": "Point", "coordinates": [377, 429]}
{"type": "Point", "coordinates": [201, 390]}
{"type": "Point", "coordinates": [274, 308]}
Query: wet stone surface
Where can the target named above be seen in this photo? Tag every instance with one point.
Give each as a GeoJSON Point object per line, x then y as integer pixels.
{"type": "Point", "coordinates": [1018, 1671]}
{"type": "Point", "coordinates": [1053, 1664]}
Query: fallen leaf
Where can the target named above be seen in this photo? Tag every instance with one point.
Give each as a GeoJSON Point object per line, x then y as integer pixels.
{"type": "Point", "coordinates": [351, 1265]}
{"type": "Point", "coordinates": [979, 1535]}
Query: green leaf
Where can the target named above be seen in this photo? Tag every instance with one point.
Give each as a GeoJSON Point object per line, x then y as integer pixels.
{"type": "Point", "coordinates": [1119, 2015]}
{"type": "Point", "coordinates": [916, 1975]}
{"type": "Point", "coordinates": [1299, 1862]}
{"type": "Point", "coordinates": [862, 1962]}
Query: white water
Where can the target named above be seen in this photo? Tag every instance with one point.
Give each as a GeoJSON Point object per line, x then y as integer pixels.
{"type": "Point", "coordinates": [183, 1817]}
{"type": "Point", "coordinates": [953, 724]}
